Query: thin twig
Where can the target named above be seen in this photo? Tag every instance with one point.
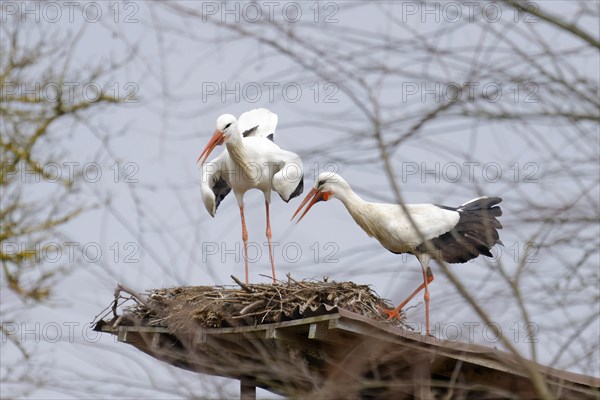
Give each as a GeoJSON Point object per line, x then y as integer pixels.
{"type": "Point", "coordinates": [243, 286]}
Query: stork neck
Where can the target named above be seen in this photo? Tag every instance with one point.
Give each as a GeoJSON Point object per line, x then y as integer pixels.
{"type": "Point", "coordinates": [355, 205]}
{"type": "Point", "coordinates": [363, 212]}
{"type": "Point", "coordinates": [235, 139]}
{"type": "Point", "coordinates": [235, 147]}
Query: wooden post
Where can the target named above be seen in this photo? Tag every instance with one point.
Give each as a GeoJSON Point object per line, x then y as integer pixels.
{"type": "Point", "coordinates": [421, 377]}
{"type": "Point", "coordinates": [247, 390]}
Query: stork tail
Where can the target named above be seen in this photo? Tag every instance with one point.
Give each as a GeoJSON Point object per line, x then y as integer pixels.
{"type": "Point", "coordinates": [475, 233]}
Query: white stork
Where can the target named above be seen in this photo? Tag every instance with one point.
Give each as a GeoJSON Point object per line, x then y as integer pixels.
{"type": "Point", "coordinates": [457, 234]}
{"type": "Point", "coordinates": [251, 161]}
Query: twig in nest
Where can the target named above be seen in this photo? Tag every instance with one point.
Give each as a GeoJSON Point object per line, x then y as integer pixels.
{"type": "Point", "coordinates": [243, 286]}
{"type": "Point", "coordinates": [252, 306]}
{"type": "Point", "coordinates": [105, 312]}
{"type": "Point", "coordinates": [267, 276]}
{"type": "Point", "coordinates": [248, 304]}
{"type": "Point", "coordinates": [289, 276]}
{"type": "Point", "coordinates": [122, 288]}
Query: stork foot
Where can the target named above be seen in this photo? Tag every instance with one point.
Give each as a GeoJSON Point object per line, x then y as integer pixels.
{"type": "Point", "coordinates": [391, 313]}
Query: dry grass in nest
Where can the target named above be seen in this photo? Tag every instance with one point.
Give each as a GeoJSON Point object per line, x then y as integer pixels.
{"type": "Point", "coordinates": [248, 305]}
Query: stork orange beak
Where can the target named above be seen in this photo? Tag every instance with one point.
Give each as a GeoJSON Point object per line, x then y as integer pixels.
{"type": "Point", "coordinates": [215, 140]}
{"type": "Point", "coordinates": [314, 196]}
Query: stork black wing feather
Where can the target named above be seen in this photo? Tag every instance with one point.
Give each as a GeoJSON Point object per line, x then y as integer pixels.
{"type": "Point", "coordinates": [250, 132]}
{"type": "Point", "coordinates": [220, 189]}
{"type": "Point", "coordinates": [475, 233]}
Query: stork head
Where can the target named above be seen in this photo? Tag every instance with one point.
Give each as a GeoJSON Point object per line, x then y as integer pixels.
{"type": "Point", "coordinates": [326, 187]}
{"type": "Point", "coordinates": [226, 126]}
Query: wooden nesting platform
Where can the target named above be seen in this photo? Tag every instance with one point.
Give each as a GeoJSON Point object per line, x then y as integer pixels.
{"type": "Point", "coordinates": [330, 352]}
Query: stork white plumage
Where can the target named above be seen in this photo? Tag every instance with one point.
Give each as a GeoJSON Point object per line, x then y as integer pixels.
{"type": "Point", "coordinates": [251, 161]}
{"type": "Point", "coordinates": [457, 234]}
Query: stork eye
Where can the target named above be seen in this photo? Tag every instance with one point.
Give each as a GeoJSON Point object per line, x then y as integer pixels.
{"type": "Point", "coordinates": [227, 126]}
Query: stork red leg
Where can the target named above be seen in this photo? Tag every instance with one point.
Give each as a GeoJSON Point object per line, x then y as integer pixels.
{"type": "Point", "coordinates": [396, 311]}
{"type": "Point", "coordinates": [269, 235]}
{"type": "Point", "coordinates": [245, 239]}
{"type": "Point", "coordinates": [426, 297]}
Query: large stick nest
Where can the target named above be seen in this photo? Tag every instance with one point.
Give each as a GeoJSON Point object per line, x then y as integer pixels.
{"type": "Point", "coordinates": [244, 305]}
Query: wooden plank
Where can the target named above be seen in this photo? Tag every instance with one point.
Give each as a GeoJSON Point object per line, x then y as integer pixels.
{"type": "Point", "coordinates": [199, 336]}
{"type": "Point", "coordinates": [155, 340]}
{"type": "Point", "coordinates": [483, 359]}
{"type": "Point", "coordinates": [270, 333]}
{"type": "Point", "coordinates": [139, 328]}
{"type": "Point", "coordinates": [122, 335]}
{"type": "Point", "coordinates": [285, 324]}
{"type": "Point", "coordinates": [321, 341]}
{"type": "Point", "coordinates": [312, 331]}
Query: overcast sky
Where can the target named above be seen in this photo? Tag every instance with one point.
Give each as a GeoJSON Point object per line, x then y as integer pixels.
{"type": "Point", "coordinates": [153, 230]}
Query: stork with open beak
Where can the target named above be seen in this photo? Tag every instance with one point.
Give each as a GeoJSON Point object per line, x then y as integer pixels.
{"type": "Point", "coordinates": [456, 234]}
{"type": "Point", "coordinates": [251, 161]}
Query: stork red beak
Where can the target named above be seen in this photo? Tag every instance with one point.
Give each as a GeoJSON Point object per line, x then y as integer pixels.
{"type": "Point", "coordinates": [215, 140]}
{"type": "Point", "coordinates": [314, 196]}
